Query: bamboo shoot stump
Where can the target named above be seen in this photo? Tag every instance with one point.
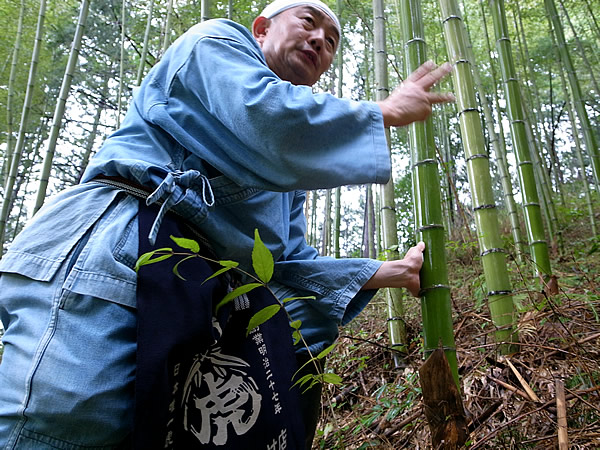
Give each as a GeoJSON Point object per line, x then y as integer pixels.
{"type": "Point", "coordinates": [443, 405]}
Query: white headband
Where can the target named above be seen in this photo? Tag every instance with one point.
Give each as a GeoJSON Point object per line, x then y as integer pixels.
{"type": "Point", "coordinates": [281, 5]}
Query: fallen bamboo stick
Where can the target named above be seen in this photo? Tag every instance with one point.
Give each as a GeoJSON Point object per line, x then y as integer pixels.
{"type": "Point", "coordinates": [561, 413]}
{"type": "Point", "coordinates": [524, 383]}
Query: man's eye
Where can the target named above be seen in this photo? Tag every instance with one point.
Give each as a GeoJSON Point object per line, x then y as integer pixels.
{"type": "Point", "coordinates": [331, 42]}
{"type": "Point", "coordinates": [309, 20]}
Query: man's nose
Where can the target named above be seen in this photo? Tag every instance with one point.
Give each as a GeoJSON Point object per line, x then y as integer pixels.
{"type": "Point", "coordinates": [317, 39]}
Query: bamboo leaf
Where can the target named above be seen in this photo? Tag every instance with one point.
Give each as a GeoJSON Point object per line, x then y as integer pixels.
{"type": "Point", "coordinates": [289, 299]}
{"type": "Point", "coordinates": [326, 352]}
{"type": "Point", "coordinates": [176, 267]}
{"type": "Point", "coordinates": [332, 378]}
{"type": "Point", "coordinates": [188, 244]}
{"type": "Point", "coordinates": [262, 316]}
{"type": "Point", "coordinates": [236, 293]}
{"type": "Point", "coordinates": [227, 265]}
{"type": "Point", "coordinates": [262, 260]}
{"type": "Point", "coordinates": [146, 258]}
{"type": "Point", "coordinates": [296, 336]}
{"type": "Point", "coordinates": [303, 380]}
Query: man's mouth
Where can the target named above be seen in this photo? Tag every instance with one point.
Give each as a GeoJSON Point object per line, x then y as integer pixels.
{"type": "Point", "coordinates": [311, 56]}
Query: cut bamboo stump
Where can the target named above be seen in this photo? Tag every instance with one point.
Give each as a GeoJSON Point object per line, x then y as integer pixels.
{"type": "Point", "coordinates": [443, 405]}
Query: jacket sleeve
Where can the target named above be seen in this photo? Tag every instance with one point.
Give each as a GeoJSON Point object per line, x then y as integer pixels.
{"type": "Point", "coordinates": [222, 103]}
{"type": "Point", "coordinates": [335, 282]}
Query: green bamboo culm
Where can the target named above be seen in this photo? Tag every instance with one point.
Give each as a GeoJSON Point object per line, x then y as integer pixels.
{"type": "Point", "coordinates": [121, 66]}
{"type": "Point", "coordinates": [436, 306]}
{"type": "Point", "coordinates": [61, 103]}
{"type": "Point", "coordinates": [538, 244]}
{"type": "Point", "coordinates": [10, 95]}
{"type": "Point", "coordinates": [493, 255]}
{"type": "Point", "coordinates": [142, 64]}
{"type": "Point", "coordinates": [498, 143]}
{"type": "Point", "coordinates": [21, 136]}
{"type": "Point", "coordinates": [396, 326]}
{"type": "Point", "coordinates": [340, 82]}
{"type": "Point", "coordinates": [589, 137]}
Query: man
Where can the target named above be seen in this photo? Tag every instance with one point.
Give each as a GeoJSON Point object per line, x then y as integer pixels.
{"type": "Point", "coordinates": [226, 133]}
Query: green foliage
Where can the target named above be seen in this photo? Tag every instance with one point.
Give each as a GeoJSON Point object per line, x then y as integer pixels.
{"type": "Point", "coordinates": [262, 316]}
{"type": "Point", "coordinates": [263, 265]}
{"type": "Point", "coordinates": [244, 289]}
{"type": "Point", "coordinates": [262, 260]}
{"type": "Point", "coordinates": [188, 244]}
{"type": "Point", "coordinates": [150, 258]}
{"type": "Point", "coordinates": [309, 380]}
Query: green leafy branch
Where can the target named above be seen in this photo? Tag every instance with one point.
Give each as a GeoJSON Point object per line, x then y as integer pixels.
{"type": "Point", "coordinates": [263, 265]}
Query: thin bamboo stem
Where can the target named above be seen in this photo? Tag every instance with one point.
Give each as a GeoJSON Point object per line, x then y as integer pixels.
{"type": "Point", "coordinates": [388, 210]}
{"type": "Point", "coordinates": [588, 134]}
{"type": "Point", "coordinates": [16, 160]}
{"type": "Point", "coordinates": [10, 139]}
{"type": "Point", "coordinates": [59, 111]}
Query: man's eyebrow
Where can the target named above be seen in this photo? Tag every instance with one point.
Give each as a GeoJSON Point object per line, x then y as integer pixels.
{"type": "Point", "coordinates": [321, 15]}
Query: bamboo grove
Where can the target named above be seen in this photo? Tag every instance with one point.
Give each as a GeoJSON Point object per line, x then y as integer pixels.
{"type": "Point", "coordinates": [495, 168]}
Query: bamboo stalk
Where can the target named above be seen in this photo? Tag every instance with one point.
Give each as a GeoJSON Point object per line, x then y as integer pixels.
{"type": "Point", "coordinates": [436, 306]}
{"type": "Point", "coordinates": [59, 111]}
{"type": "Point", "coordinates": [524, 383]}
{"type": "Point", "coordinates": [588, 134]}
{"type": "Point", "coordinates": [579, 155]}
{"type": "Point", "coordinates": [388, 210]}
{"type": "Point", "coordinates": [531, 203]}
{"type": "Point", "coordinates": [167, 39]}
{"type": "Point", "coordinates": [142, 64]}
{"type": "Point", "coordinates": [10, 95]}
{"type": "Point", "coordinates": [498, 144]}
{"type": "Point", "coordinates": [580, 47]}
{"type": "Point", "coordinates": [121, 67]}
{"type": "Point", "coordinates": [493, 255]}
{"type": "Point", "coordinates": [16, 160]}
{"type": "Point", "coordinates": [561, 413]}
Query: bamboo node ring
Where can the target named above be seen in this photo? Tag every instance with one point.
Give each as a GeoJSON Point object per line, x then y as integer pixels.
{"type": "Point", "coordinates": [490, 206]}
{"type": "Point", "coordinates": [478, 155]}
{"type": "Point", "coordinates": [431, 226]}
{"type": "Point", "coordinates": [492, 250]}
{"type": "Point", "coordinates": [499, 293]}
{"type": "Point", "coordinates": [424, 161]}
{"type": "Point", "coordinates": [451, 17]}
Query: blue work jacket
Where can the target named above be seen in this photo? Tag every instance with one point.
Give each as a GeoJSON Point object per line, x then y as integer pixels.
{"type": "Point", "coordinates": [225, 143]}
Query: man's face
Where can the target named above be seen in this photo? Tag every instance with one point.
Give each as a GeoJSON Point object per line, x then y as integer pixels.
{"type": "Point", "coordinates": [298, 43]}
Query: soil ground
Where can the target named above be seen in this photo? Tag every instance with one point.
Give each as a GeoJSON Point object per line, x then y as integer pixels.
{"type": "Point", "coordinates": [380, 406]}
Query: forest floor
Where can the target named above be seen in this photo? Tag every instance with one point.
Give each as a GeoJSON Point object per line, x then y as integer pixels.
{"type": "Point", "coordinates": [380, 406]}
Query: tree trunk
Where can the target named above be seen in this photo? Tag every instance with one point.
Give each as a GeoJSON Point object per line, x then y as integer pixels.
{"type": "Point", "coordinates": [16, 160]}
{"type": "Point", "coordinates": [121, 66]}
{"type": "Point", "coordinates": [167, 39]}
{"type": "Point", "coordinates": [59, 112]}
{"type": "Point", "coordinates": [436, 306]}
{"type": "Point", "coordinates": [531, 204]}
{"type": "Point", "coordinates": [588, 134]}
{"type": "Point", "coordinates": [396, 324]}
{"type": "Point", "coordinates": [493, 255]}
{"type": "Point", "coordinates": [10, 139]}
{"type": "Point", "coordinates": [142, 64]}
{"type": "Point", "coordinates": [499, 146]}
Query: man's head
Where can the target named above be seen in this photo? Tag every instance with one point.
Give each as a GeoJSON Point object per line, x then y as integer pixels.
{"type": "Point", "coordinates": [298, 38]}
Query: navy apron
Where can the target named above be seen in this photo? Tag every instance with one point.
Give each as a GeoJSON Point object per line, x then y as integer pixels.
{"type": "Point", "coordinates": [200, 381]}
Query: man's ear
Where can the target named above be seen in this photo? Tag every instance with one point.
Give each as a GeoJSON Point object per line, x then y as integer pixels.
{"type": "Point", "coordinates": [260, 28]}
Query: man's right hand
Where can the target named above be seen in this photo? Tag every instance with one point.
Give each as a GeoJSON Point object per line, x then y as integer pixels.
{"type": "Point", "coordinates": [412, 101]}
